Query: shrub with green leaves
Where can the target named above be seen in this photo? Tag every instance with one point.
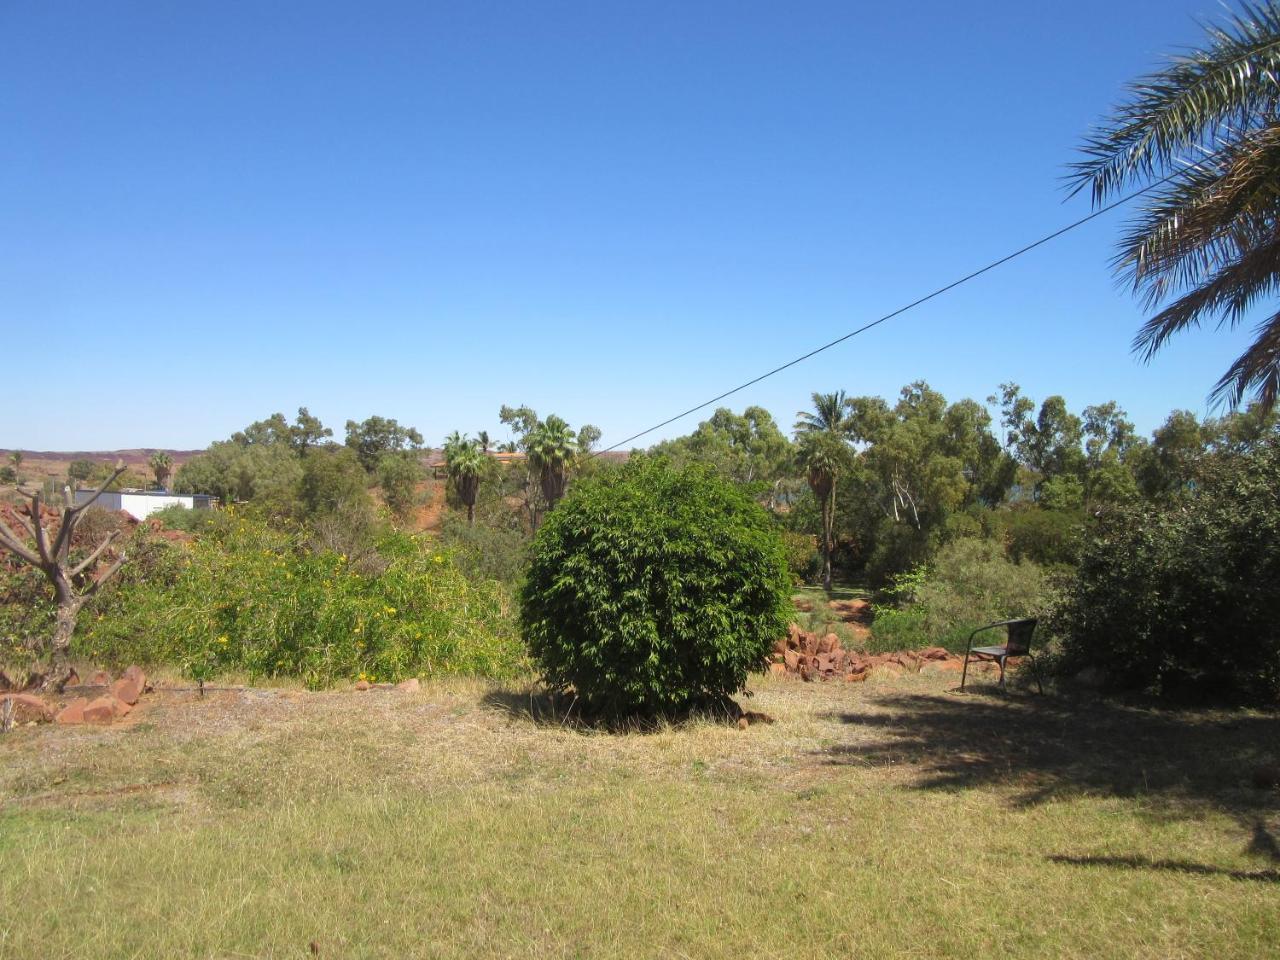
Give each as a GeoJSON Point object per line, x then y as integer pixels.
{"type": "Point", "coordinates": [247, 597]}
{"type": "Point", "coordinates": [969, 583]}
{"type": "Point", "coordinates": [654, 590]}
{"type": "Point", "coordinates": [1181, 601]}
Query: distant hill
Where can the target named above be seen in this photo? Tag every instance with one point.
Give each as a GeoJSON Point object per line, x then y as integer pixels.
{"type": "Point", "coordinates": [131, 457]}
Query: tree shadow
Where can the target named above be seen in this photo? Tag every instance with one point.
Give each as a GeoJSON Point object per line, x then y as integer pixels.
{"type": "Point", "coordinates": [546, 708]}
{"type": "Point", "coordinates": [1177, 866]}
{"type": "Point", "coordinates": [1041, 748]}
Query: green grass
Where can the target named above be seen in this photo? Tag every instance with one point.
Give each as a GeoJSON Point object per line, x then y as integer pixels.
{"type": "Point", "coordinates": [876, 820]}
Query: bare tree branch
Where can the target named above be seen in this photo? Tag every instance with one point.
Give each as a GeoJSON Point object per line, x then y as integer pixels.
{"type": "Point", "coordinates": [92, 558]}
{"type": "Point", "coordinates": [71, 514]}
{"type": "Point", "coordinates": [111, 572]}
{"type": "Point", "coordinates": [42, 543]}
{"type": "Point", "coordinates": [14, 544]}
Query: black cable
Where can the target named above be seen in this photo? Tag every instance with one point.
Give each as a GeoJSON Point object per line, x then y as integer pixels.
{"type": "Point", "coordinates": [910, 306]}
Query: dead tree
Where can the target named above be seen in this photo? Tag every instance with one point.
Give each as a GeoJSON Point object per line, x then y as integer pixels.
{"type": "Point", "coordinates": [73, 585]}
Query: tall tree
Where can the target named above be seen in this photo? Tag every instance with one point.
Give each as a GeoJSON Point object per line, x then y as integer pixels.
{"type": "Point", "coordinates": [16, 459]}
{"type": "Point", "coordinates": [823, 455]}
{"type": "Point", "coordinates": [551, 446]}
{"type": "Point", "coordinates": [161, 464]}
{"type": "Point", "coordinates": [823, 452]}
{"type": "Point", "coordinates": [1205, 133]}
{"type": "Point", "coordinates": [465, 461]}
{"type": "Point", "coordinates": [72, 581]}
{"type": "Point", "coordinates": [377, 436]}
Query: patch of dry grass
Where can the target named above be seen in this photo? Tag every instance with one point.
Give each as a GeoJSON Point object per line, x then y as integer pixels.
{"type": "Point", "coordinates": [879, 820]}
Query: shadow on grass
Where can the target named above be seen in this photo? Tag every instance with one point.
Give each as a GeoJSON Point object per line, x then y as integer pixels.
{"type": "Point", "coordinates": [547, 709]}
{"type": "Point", "coordinates": [1176, 866]}
{"type": "Point", "coordinates": [838, 592]}
{"type": "Point", "coordinates": [1042, 748]}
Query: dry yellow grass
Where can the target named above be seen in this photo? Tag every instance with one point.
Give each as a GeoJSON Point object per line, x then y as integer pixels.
{"type": "Point", "coordinates": [878, 820]}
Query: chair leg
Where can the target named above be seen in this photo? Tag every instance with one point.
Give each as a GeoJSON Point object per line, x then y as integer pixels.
{"type": "Point", "coordinates": [1001, 662]}
{"type": "Point", "coordinates": [965, 672]}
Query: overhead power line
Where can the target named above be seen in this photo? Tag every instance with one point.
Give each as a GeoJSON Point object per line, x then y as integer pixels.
{"type": "Point", "coordinates": [909, 306]}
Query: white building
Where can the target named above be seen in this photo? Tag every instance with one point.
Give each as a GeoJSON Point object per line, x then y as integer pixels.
{"type": "Point", "coordinates": [140, 504]}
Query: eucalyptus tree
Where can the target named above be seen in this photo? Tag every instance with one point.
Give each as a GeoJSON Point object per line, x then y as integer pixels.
{"type": "Point", "coordinates": [1204, 132]}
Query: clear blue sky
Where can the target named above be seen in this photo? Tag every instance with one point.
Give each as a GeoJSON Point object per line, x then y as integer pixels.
{"type": "Point", "coordinates": [213, 211]}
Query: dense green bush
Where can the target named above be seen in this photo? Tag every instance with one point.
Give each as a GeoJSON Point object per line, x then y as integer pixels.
{"type": "Point", "coordinates": [494, 548]}
{"type": "Point", "coordinates": [803, 559]}
{"type": "Point", "coordinates": [1048, 537]}
{"type": "Point", "coordinates": [252, 598]}
{"type": "Point", "coordinates": [177, 517]}
{"type": "Point", "coordinates": [969, 583]}
{"type": "Point", "coordinates": [654, 590]}
{"type": "Point", "coordinates": [1183, 601]}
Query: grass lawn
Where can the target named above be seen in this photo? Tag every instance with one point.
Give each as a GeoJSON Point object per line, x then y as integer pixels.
{"type": "Point", "coordinates": [893, 819]}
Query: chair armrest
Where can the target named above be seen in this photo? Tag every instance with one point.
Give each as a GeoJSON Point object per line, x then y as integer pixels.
{"type": "Point", "coordinates": [989, 626]}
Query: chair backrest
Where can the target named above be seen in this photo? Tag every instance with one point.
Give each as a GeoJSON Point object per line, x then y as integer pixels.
{"type": "Point", "coordinates": [1020, 637]}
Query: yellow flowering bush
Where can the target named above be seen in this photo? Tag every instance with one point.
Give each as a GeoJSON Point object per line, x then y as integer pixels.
{"type": "Point", "coordinates": [255, 599]}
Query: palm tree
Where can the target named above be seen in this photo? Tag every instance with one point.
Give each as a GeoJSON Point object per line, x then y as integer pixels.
{"type": "Point", "coordinates": [831, 414]}
{"type": "Point", "coordinates": [1203, 135]}
{"type": "Point", "coordinates": [823, 454]}
{"type": "Point", "coordinates": [551, 446]}
{"type": "Point", "coordinates": [465, 464]}
{"type": "Point", "coordinates": [482, 438]}
{"type": "Point", "coordinates": [162, 465]}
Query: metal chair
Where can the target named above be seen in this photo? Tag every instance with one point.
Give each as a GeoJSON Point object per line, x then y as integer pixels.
{"type": "Point", "coordinates": [1018, 644]}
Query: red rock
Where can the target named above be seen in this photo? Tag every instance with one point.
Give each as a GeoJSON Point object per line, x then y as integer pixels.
{"type": "Point", "coordinates": [826, 644]}
{"type": "Point", "coordinates": [127, 690]}
{"type": "Point", "coordinates": [362, 684]}
{"type": "Point", "coordinates": [933, 653]}
{"type": "Point", "coordinates": [100, 679]}
{"type": "Point", "coordinates": [780, 645]}
{"type": "Point", "coordinates": [778, 669]}
{"type": "Point", "coordinates": [792, 659]}
{"type": "Point", "coordinates": [889, 671]}
{"type": "Point", "coordinates": [73, 712]}
{"type": "Point", "coordinates": [410, 686]}
{"type": "Point", "coordinates": [806, 673]}
{"type": "Point", "coordinates": [28, 708]}
{"type": "Point", "coordinates": [855, 677]}
{"type": "Point", "coordinates": [102, 710]}
{"type": "Point", "coordinates": [135, 674]}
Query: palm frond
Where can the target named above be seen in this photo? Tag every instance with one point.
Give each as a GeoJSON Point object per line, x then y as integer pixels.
{"type": "Point", "coordinates": [1190, 107]}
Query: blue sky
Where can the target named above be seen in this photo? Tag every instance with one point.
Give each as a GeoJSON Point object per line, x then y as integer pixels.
{"type": "Point", "coordinates": [611, 211]}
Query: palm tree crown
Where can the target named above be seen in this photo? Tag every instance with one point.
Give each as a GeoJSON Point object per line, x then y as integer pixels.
{"type": "Point", "coordinates": [464, 462]}
{"type": "Point", "coordinates": [831, 414]}
{"type": "Point", "coordinates": [1204, 135]}
{"type": "Point", "coordinates": [551, 445]}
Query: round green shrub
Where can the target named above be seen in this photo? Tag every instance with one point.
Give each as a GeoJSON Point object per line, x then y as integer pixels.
{"type": "Point", "coordinates": [654, 590]}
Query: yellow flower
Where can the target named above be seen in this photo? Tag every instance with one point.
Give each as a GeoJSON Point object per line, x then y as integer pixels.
{"type": "Point", "coordinates": [389, 609]}
{"type": "Point", "coordinates": [223, 638]}
{"type": "Point", "coordinates": [438, 559]}
{"type": "Point", "coordinates": [342, 558]}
